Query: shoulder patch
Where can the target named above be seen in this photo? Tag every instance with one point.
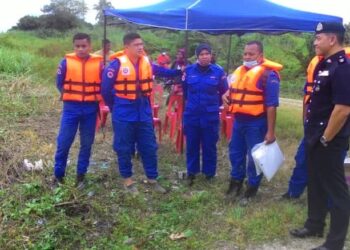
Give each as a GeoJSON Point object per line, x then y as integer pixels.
{"type": "Point", "coordinates": [110, 74]}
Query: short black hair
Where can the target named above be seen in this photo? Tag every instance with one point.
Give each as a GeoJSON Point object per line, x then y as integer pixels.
{"type": "Point", "coordinates": [340, 37]}
{"type": "Point", "coordinates": [257, 43]}
{"type": "Point", "coordinates": [128, 38]}
{"type": "Point", "coordinates": [81, 36]}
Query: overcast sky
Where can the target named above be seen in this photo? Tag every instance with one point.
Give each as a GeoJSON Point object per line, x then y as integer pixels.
{"type": "Point", "coordinates": [13, 10]}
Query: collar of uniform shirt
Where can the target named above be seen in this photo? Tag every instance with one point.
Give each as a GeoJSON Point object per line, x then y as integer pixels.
{"type": "Point", "coordinates": [203, 68]}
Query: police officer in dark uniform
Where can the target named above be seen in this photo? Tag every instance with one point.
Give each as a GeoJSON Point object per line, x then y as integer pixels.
{"type": "Point", "coordinates": [327, 131]}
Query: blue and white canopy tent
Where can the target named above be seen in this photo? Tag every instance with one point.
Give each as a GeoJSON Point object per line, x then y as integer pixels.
{"type": "Point", "coordinates": [222, 17]}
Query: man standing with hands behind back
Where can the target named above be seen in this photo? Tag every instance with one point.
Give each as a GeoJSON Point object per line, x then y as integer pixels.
{"type": "Point", "coordinates": [327, 131]}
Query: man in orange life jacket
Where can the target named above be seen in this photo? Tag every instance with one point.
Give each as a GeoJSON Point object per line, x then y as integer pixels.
{"type": "Point", "coordinates": [327, 132]}
{"type": "Point", "coordinates": [126, 88]}
{"type": "Point", "coordinates": [298, 180]}
{"type": "Point", "coordinates": [78, 80]}
{"type": "Point", "coordinates": [253, 98]}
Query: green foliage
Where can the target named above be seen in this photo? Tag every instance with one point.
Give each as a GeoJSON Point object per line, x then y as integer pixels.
{"type": "Point", "coordinates": [28, 23]}
{"type": "Point", "coordinates": [74, 8]}
{"type": "Point", "coordinates": [102, 4]}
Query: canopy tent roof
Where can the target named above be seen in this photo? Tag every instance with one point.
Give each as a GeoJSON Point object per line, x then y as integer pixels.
{"type": "Point", "coordinates": [223, 16]}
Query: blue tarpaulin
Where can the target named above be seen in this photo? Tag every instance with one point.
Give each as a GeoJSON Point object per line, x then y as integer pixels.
{"type": "Point", "coordinates": [223, 16]}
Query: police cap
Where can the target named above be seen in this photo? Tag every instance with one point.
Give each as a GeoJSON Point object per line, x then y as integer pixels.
{"type": "Point", "coordinates": [330, 27]}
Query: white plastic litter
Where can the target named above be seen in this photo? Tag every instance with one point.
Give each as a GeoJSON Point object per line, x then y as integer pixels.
{"type": "Point", "coordinates": [28, 165]}
{"type": "Point", "coordinates": [37, 166]}
{"type": "Point", "coordinates": [268, 158]}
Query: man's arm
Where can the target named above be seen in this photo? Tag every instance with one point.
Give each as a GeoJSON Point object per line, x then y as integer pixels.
{"type": "Point", "coordinates": [337, 120]}
{"type": "Point", "coordinates": [340, 97]}
{"type": "Point", "coordinates": [271, 93]}
{"type": "Point", "coordinates": [61, 75]}
{"type": "Point", "coordinates": [164, 72]}
{"type": "Point", "coordinates": [271, 123]}
{"type": "Point", "coordinates": [108, 79]}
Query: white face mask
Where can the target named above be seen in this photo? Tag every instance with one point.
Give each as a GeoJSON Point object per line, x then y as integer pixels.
{"type": "Point", "coordinates": [250, 64]}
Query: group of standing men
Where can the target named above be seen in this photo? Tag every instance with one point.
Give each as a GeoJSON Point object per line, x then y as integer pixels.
{"type": "Point", "coordinates": [252, 96]}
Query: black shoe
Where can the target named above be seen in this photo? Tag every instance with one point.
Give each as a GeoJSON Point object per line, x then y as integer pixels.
{"type": "Point", "coordinates": [288, 196]}
{"type": "Point", "coordinates": [250, 192]}
{"type": "Point", "coordinates": [80, 181]}
{"type": "Point", "coordinates": [235, 187]}
{"type": "Point", "coordinates": [305, 232]}
{"type": "Point", "coordinates": [56, 182]}
{"type": "Point", "coordinates": [190, 179]}
{"type": "Point", "coordinates": [321, 248]}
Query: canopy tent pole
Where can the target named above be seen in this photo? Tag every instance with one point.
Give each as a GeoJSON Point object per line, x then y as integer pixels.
{"type": "Point", "coordinates": [229, 54]}
{"type": "Point", "coordinates": [104, 36]}
{"type": "Point", "coordinates": [183, 99]}
{"type": "Point", "coordinates": [186, 44]}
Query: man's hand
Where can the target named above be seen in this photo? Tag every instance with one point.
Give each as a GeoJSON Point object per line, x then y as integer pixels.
{"type": "Point", "coordinates": [226, 99]}
{"type": "Point", "coordinates": [269, 138]}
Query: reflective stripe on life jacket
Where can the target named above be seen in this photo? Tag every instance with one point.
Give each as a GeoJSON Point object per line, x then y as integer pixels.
{"type": "Point", "coordinates": [245, 96]}
{"type": "Point", "coordinates": [128, 83]}
{"type": "Point", "coordinates": [82, 82]}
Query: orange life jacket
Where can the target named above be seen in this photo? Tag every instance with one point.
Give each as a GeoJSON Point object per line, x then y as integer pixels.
{"type": "Point", "coordinates": [82, 82]}
{"type": "Point", "coordinates": [116, 55]}
{"type": "Point", "coordinates": [310, 74]}
{"type": "Point", "coordinates": [127, 84]}
{"type": "Point", "coordinates": [245, 97]}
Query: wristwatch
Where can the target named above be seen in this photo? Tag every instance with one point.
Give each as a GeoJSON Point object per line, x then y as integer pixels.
{"type": "Point", "coordinates": [324, 141]}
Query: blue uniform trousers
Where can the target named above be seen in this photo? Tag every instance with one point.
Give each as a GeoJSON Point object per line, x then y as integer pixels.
{"type": "Point", "coordinates": [245, 135]}
{"type": "Point", "coordinates": [73, 118]}
{"type": "Point", "coordinates": [204, 138]}
{"type": "Point", "coordinates": [298, 180]}
{"type": "Point", "coordinates": [126, 134]}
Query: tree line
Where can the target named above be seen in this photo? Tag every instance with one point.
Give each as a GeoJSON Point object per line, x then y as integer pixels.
{"type": "Point", "coordinates": [62, 15]}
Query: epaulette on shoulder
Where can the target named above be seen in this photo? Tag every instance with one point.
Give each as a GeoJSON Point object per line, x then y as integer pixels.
{"type": "Point", "coordinates": [343, 60]}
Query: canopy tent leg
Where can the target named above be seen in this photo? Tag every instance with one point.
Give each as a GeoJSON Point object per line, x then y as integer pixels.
{"type": "Point", "coordinates": [229, 54]}
{"type": "Point", "coordinates": [104, 36]}
{"type": "Point", "coordinates": [183, 100]}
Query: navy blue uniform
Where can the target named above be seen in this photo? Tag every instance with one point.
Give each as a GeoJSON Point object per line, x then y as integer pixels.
{"type": "Point", "coordinates": [250, 130]}
{"type": "Point", "coordinates": [132, 122]}
{"type": "Point", "coordinates": [75, 115]}
{"type": "Point", "coordinates": [325, 164]}
{"type": "Point", "coordinates": [203, 88]}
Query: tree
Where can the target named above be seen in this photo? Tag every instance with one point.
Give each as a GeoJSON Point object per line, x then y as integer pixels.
{"type": "Point", "coordinates": [28, 23]}
{"type": "Point", "coordinates": [60, 7]}
{"type": "Point", "coordinates": [59, 21]}
{"type": "Point", "coordinates": [102, 4]}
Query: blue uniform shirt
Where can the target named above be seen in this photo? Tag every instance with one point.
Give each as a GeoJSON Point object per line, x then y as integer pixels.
{"type": "Point", "coordinates": [125, 109]}
{"type": "Point", "coordinates": [203, 88]}
{"type": "Point", "coordinates": [86, 107]}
